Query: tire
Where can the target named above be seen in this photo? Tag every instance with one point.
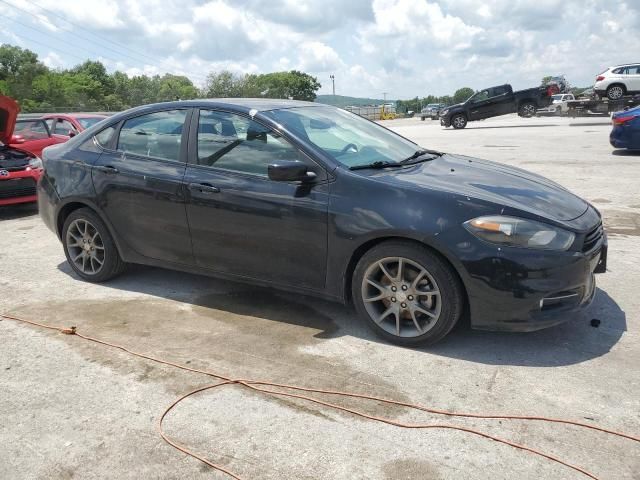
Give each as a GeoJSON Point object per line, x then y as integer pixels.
{"type": "Point", "coordinates": [408, 322]}
{"type": "Point", "coordinates": [459, 121]}
{"type": "Point", "coordinates": [422, 118]}
{"type": "Point", "coordinates": [527, 110]}
{"type": "Point", "coordinates": [87, 242]}
{"type": "Point", "coordinates": [616, 92]}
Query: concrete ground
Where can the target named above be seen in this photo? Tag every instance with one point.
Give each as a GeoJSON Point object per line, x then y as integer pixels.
{"type": "Point", "coordinates": [70, 409]}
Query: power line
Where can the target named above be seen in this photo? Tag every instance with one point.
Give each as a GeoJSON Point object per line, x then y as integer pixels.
{"type": "Point", "coordinates": [199, 77]}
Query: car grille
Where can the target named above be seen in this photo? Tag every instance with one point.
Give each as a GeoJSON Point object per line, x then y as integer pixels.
{"type": "Point", "coordinates": [21, 187]}
{"type": "Point", "coordinates": [592, 238]}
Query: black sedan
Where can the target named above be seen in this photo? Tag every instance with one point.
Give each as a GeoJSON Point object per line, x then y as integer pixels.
{"type": "Point", "coordinates": [315, 200]}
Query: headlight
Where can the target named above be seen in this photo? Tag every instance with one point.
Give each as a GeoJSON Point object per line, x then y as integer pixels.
{"type": "Point", "coordinates": [444, 112]}
{"type": "Point", "coordinates": [35, 163]}
{"type": "Point", "coordinates": [518, 232]}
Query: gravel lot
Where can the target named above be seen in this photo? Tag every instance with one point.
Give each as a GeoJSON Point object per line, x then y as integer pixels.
{"type": "Point", "coordinates": [70, 409]}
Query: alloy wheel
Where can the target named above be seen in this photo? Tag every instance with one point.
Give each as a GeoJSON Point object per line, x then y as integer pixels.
{"type": "Point", "coordinates": [529, 110]}
{"type": "Point", "coordinates": [85, 247]}
{"type": "Point", "coordinates": [459, 122]}
{"type": "Point", "coordinates": [615, 93]}
{"type": "Point", "coordinates": [401, 297]}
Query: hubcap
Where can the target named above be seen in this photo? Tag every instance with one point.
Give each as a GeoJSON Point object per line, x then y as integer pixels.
{"type": "Point", "coordinates": [401, 296]}
{"type": "Point", "coordinates": [529, 109]}
{"type": "Point", "coordinates": [615, 92]}
{"type": "Point", "coordinates": [85, 247]}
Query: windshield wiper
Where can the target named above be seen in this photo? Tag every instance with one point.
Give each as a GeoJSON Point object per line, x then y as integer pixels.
{"type": "Point", "coordinates": [421, 153]}
{"type": "Point", "coordinates": [377, 164]}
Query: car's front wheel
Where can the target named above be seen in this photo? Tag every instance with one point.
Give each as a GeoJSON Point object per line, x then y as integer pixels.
{"type": "Point", "coordinates": [89, 247]}
{"type": "Point", "coordinates": [406, 293]}
{"type": "Point", "coordinates": [459, 121]}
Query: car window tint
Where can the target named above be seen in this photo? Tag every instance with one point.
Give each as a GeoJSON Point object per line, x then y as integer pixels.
{"type": "Point", "coordinates": [618, 71]}
{"type": "Point", "coordinates": [105, 136]}
{"type": "Point", "coordinates": [63, 127]}
{"type": "Point", "coordinates": [31, 129]}
{"type": "Point", "coordinates": [236, 143]}
{"type": "Point", "coordinates": [153, 135]}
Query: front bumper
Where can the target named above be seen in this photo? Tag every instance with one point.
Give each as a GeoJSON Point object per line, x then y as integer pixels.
{"type": "Point", "coordinates": [516, 289]}
{"type": "Point", "coordinates": [445, 121]}
{"type": "Point", "coordinates": [19, 186]}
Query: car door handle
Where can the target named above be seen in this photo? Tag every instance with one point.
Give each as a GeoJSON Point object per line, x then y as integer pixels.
{"type": "Point", "coordinates": [107, 169]}
{"type": "Point", "coordinates": [203, 188]}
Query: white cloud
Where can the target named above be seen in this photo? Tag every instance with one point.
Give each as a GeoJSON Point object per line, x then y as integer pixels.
{"type": "Point", "coordinates": [404, 47]}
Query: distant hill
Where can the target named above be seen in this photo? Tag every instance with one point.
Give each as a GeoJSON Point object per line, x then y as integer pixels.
{"type": "Point", "coordinates": [342, 101]}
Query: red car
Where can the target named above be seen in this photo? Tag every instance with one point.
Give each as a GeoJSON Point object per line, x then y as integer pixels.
{"type": "Point", "coordinates": [71, 124]}
{"type": "Point", "coordinates": [21, 144]}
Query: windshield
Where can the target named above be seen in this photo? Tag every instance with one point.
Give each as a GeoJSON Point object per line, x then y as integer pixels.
{"type": "Point", "coordinates": [87, 122]}
{"type": "Point", "coordinates": [346, 137]}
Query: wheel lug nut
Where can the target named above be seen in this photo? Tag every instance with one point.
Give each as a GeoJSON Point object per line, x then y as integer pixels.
{"type": "Point", "coordinates": [410, 297]}
{"type": "Point", "coordinates": [393, 289]}
{"type": "Point", "coordinates": [393, 299]}
{"type": "Point", "coordinates": [404, 287]}
{"type": "Point", "coordinates": [403, 305]}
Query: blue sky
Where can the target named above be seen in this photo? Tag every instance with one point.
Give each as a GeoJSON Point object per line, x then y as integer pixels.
{"type": "Point", "coordinates": [403, 47]}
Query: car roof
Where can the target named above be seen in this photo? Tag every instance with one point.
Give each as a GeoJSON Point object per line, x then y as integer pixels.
{"type": "Point", "coordinates": [244, 105]}
{"type": "Point", "coordinates": [73, 115]}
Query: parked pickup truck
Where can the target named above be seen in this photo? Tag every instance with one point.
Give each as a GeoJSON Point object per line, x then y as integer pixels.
{"type": "Point", "coordinates": [495, 101]}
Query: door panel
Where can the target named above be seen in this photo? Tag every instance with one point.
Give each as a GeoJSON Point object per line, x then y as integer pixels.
{"type": "Point", "coordinates": [144, 196]}
{"type": "Point", "coordinates": [255, 227]}
{"type": "Point", "coordinates": [243, 223]}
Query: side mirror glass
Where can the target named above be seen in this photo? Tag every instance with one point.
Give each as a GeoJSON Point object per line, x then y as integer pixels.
{"type": "Point", "coordinates": [71, 133]}
{"type": "Point", "coordinates": [290, 171]}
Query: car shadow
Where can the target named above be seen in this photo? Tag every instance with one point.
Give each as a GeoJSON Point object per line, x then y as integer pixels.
{"type": "Point", "coordinates": [572, 342]}
{"type": "Point", "coordinates": [626, 153]}
{"type": "Point", "coordinates": [505, 126]}
{"type": "Point", "coordinates": [21, 210]}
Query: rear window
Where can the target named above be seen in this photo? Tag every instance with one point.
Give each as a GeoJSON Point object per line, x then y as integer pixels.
{"type": "Point", "coordinates": [31, 129]}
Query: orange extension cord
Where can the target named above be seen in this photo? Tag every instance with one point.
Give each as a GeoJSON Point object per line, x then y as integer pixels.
{"type": "Point", "coordinates": [257, 384]}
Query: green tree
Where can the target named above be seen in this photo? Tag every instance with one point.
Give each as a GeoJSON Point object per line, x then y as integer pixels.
{"type": "Point", "coordinates": [462, 94]}
{"type": "Point", "coordinates": [224, 84]}
{"type": "Point", "coordinates": [175, 87]}
{"type": "Point", "coordinates": [18, 69]}
{"type": "Point", "coordinates": [295, 85]}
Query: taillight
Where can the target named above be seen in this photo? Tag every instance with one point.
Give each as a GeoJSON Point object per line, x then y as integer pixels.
{"type": "Point", "coordinates": [599, 78]}
{"type": "Point", "coordinates": [622, 120]}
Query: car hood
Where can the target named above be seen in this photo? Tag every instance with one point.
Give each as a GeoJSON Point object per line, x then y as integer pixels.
{"type": "Point", "coordinates": [494, 182]}
{"type": "Point", "coordinates": [450, 107]}
{"type": "Point", "coordinates": [8, 113]}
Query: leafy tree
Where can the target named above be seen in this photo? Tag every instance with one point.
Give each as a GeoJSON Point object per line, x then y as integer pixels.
{"type": "Point", "coordinates": [18, 68]}
{"type": "Point", "coordinates": [462, 94]}
{"type": "Point", "coordinates": [224, 84]}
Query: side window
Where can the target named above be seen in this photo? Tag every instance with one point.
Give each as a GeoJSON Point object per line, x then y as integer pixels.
{"type": "Point", "coordinates": [105, 136]}
{"type": "Point", "coordinates": [153, 135]}
{"type": "Point", "coordinates": [31, 129]}
{"type": "Point", "coordinates": [50, 123]}
{"type": "Point", "coordinates": [618, 71]}
{"type": "Point", "coordinates": [236, 143]}
{"type": "Point", "coordinates": [497, 91]}
{"type": "Point", "coordinates": [63, 127]}
{"type": "Point", "coordinates": [483, 95]}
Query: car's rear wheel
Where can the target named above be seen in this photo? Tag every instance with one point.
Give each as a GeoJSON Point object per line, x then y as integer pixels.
{"type": "Point", "coordinates": [406, 293]}
{"type": "Point", "coordinates": [89, 247]}
{"type": "Point", "coordinates": [615, 92]}
{"type": "Point", "coordinates": [459, 121]}
{"type": "Point", "coordinates": [527, 109]}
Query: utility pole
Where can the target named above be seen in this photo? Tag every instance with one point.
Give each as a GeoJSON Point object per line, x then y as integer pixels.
{"type": "Point", "coordinates": [333, 81]}
{"type": "Point", "coordinates": [384, 95]}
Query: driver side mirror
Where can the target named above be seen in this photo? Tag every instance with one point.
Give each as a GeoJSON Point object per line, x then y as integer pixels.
{"type": "Point", "coordinates": [71, 133]}
{"type": "Point", "coordinates": [290, 171]}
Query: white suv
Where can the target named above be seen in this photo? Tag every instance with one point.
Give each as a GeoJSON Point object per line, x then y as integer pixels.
{"type": "Point", "coordinates": [616, 82]}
